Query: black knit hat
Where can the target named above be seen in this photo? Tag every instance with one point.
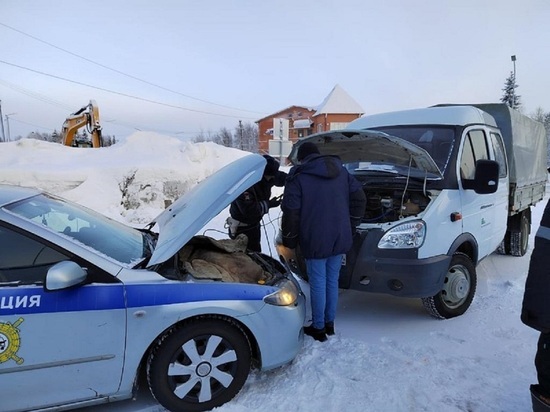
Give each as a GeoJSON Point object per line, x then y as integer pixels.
{"type": "Point", "coordinates": [271, 167]}
{"type": "Point", "coordinates": [305, 150]}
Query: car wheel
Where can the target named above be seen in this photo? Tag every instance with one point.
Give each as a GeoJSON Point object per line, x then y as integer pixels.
{"type": "Point", "coordinates": [519, 239]}
{"type": "Point", "coordinates": [199, 366]}
{"type": "Point", "coordinates": [458, 289]}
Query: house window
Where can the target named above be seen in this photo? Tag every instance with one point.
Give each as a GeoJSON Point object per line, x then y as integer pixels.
{"type": "Point", "coordinates": [319, 127]}
{"type": "Point", "coordinates": [338, 125]}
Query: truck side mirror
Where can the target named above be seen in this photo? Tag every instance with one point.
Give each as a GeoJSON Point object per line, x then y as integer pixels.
{"type": "Point", "coordinates": [486, 177]}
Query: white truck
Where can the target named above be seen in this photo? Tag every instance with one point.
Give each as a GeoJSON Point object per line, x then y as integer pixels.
{"type": "Point", "coordinates": [446, 186]}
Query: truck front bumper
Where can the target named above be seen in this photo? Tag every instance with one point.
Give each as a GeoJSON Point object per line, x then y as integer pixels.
{"type": "Point", "coordinates": [414, 278]}
{"type": "Point", "coordinates": [396, 272]}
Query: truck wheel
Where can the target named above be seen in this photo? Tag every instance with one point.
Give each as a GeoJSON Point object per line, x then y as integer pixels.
{"type": "Point", "coordinates": [519, 238]}
{"type": "Point", "coordinates": [504, 247]}
{"type": "Point", "coordinates": [458, 289]}
{"type": "Point", "coordinates": [199, 366]}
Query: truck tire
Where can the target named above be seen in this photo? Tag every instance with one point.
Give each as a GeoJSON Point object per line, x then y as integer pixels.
{"type": "Point", "coordinates": [519, 235]}
{"type": "Point", "coordinates": [504, 247]}
{"type": "Point", "coordinates": [458, 289]}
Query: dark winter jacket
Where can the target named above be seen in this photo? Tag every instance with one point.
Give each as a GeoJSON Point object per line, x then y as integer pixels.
{"type": "Point", "coordinates": [536, 299]}
{"type": "Point", "coordinates": [253, 203]}
{"type": "Point", "coordinates": [322, 204]}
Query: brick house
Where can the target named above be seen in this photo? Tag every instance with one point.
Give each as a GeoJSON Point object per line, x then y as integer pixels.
{"type": "Point", "coordinates": [278, 131]}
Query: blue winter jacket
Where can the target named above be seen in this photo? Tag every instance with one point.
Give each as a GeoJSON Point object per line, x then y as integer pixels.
{"type": "Point", "coordinates": [321, 205]}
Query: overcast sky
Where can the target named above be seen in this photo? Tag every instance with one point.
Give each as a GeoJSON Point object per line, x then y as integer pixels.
{"type": "Point", "coordinates": [182, 67]}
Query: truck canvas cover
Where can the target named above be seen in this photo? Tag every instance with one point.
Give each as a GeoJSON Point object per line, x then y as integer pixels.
{"type": "Point", "coordinates": [527, 150]}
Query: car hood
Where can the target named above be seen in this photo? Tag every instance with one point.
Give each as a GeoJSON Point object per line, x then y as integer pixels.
{"type": "Point", "coordinates": [370, 146]}
{"type": "Point", "coordinates": [186, 216]}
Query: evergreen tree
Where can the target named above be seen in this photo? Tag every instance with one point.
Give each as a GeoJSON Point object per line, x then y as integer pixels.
{"type": "Point", "coordinates": [510, 97]}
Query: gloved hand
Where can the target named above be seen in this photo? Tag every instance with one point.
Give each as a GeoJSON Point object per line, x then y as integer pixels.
{"type": "Point", "coordinates": [290, 242]}
{"type": "Point", "coordinates": [275, 201]}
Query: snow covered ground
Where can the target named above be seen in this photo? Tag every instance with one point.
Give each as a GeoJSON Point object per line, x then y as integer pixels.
{"type": "Point", "coordinates": [388, 353]}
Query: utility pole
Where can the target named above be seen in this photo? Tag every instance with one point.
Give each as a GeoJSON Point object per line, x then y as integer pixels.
{"type": "Point", "coordinates": [241, 130]}
{"type": "Point", "coordinates": [1, 121]}
{"type": "Point", "coordinates": [514, 61]}
{"type": "Point", "coordinates": [8, 125]}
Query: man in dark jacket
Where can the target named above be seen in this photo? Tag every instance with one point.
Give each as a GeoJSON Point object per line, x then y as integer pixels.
{"type": "Point", "coordinates": [248, 209]}
{"type": "Point", "coordinates": [322, 205]}
{"type": "Point", "coordinates": [536, 310]}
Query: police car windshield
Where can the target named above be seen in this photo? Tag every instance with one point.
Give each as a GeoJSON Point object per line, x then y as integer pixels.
{"type": "Point", "coordinates": [106, 236]}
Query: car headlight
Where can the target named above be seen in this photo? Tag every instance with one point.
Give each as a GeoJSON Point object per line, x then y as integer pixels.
{"type": "Point", "coordinates": [286, 295]}
{"type": "Point", "coordinates": [408, 235]}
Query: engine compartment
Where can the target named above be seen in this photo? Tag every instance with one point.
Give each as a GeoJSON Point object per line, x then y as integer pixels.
{"type": "Point", "coordinates": [227, 260]}
{"type": "Point", "coordinates": [389, 205]}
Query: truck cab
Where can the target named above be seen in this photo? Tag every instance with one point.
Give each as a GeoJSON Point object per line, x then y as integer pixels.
{"type": "Point", "coordinates": [438, 184]}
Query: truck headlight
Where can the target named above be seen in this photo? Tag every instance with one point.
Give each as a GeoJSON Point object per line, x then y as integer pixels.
{"type": "Point", "coordinates": [408, 235]}
{"type": "Point", "coordinates": [286, 295]}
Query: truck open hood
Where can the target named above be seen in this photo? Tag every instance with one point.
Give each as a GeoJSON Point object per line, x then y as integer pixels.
{"type": "Point", "coordinates": [371, 146]}
{"type": "Point", "coordinates": [185, 217]}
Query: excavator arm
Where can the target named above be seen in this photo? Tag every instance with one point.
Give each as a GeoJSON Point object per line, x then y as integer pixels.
{"type": "Point", "coordinates": [86, 116]}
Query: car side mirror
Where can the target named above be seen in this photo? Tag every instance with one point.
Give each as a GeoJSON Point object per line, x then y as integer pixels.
{"type": "Point", "coordinates": [64, 275]}
{"type": "Point", "coordinates": [486, 176]}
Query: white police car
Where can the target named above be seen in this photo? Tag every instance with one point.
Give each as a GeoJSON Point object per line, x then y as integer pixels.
{"type": "Point", "coordinates": [88, 304]}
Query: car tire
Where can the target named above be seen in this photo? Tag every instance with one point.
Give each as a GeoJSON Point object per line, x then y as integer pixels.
{"type": "Point", "coordinates": [199, 366]}
{"type": "Point", "coordinates": [458, 289]}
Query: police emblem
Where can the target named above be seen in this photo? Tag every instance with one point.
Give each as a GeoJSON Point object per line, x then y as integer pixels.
{"type": "Point", "coordinates": [10, 341]}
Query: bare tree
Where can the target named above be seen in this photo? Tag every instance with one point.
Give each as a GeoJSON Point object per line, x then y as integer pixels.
{"type": "Point", "coordinates": [246, 137]}
{"type": "Point", "coordinates": [226, 138]}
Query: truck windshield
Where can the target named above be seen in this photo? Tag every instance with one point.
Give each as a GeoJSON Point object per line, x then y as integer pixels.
{"type": "Point", "coordinates": [436, 140]}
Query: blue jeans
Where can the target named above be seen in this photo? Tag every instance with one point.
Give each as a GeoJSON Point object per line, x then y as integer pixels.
{"type": "Point", "coordinates": [323, 281]}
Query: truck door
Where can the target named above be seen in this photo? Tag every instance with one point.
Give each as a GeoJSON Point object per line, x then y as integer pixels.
{"type": "Point", "coordinates": [477, 210]}
{"type": "Point", "coordinates": [502, 193]}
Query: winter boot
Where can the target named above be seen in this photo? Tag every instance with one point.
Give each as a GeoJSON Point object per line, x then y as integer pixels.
{"type": "Point", "coordinates": [317, 334]}
{"type": "Point", "coordinates": [329, 328]}
{"type": "Point", "coordinates": [541, 403]}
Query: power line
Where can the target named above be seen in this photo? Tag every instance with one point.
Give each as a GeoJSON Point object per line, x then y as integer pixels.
{"type": "Point", "coordinates": [30, 124]}
{"type": "Point", "coordinates": [34, 95]}
{"type": "Point", "coordinates": [126, 74]}
{"type": "Point", "coordinates": [125, 94]}
{"type": "Point", "coordinates": [45, 99]}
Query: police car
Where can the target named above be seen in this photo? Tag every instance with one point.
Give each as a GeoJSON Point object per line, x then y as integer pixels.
{"type": "Point", "coordinates": [88, 305]}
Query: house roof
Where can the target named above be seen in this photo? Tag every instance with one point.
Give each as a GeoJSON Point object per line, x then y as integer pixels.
{"type": "Point", "coordinates": [339, 102]}
{"type": "Point", "coordinates": [306, 108]}
{"type": "Point", "coordinates": [302, 123]}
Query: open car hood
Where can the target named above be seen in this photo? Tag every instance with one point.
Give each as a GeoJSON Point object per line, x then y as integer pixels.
{"type": "Point", "coordinates": [371, 146]}
{"type": "Point", "coordinates": [186, 216]}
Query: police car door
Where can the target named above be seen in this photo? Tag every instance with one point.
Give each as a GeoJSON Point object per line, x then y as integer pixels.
{"type": "Point", "coordinates": [55, 346]}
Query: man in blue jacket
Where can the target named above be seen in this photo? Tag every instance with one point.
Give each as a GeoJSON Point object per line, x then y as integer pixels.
{"type": "Point", "coordinates": [536, 310]}
{"type": "Point", "coordinates": [322, 205]}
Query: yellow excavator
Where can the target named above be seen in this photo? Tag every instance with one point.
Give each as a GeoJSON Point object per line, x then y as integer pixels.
{"type": "Point", "coordinates": [86, 116]}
